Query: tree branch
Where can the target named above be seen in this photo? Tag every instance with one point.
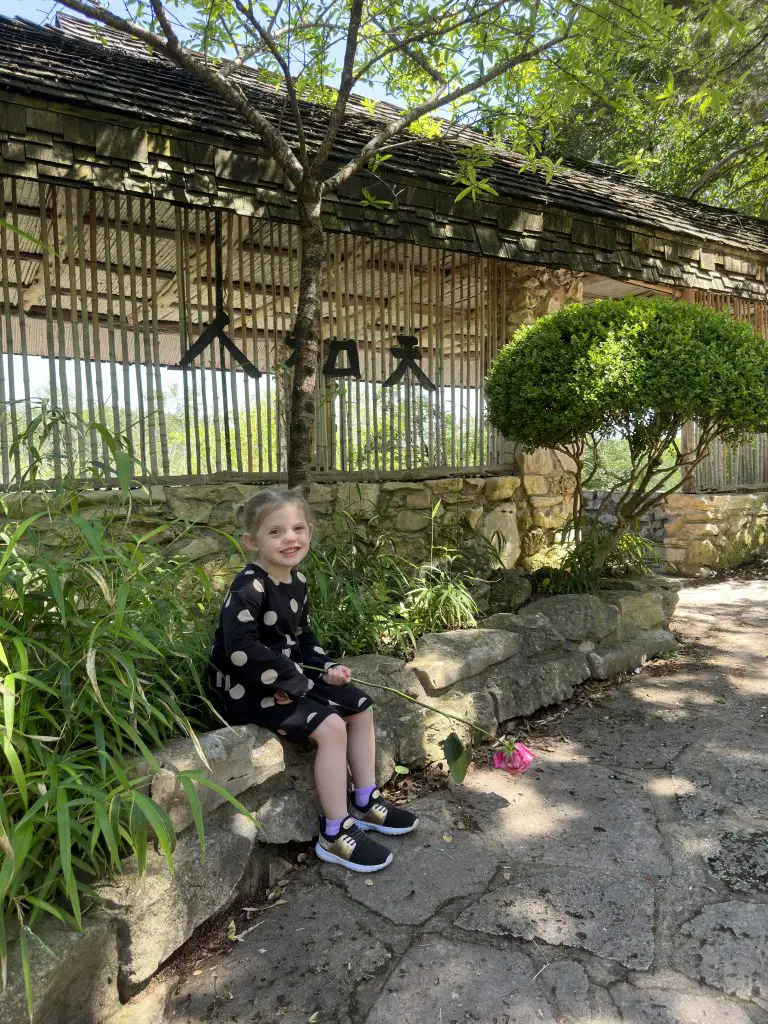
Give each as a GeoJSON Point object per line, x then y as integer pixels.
{"type": "Point", "coordinates": [438, 98]}
{"type": "Point", "coordinates": [273, 139]}
{"type": "Point", "coordinates": [713, 173]}
{"type": "Point", "coordinates": [271, 45]}
{"type": "Point", "coordinates": [345, 87]}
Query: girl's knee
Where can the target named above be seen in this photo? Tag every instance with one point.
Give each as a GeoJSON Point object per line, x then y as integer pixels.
{"type": "Point", "coordinates": [332, 729]}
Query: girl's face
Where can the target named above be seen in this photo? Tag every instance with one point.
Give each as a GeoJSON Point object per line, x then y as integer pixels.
{"type": "Point", "coordinates": [281, 541]}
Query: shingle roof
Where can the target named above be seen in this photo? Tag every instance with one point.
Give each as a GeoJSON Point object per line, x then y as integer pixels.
{"type": "Point", "coordinates": [99, 69]}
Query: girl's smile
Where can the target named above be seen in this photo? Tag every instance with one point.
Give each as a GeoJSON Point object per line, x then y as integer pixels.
{"type": "Point", "coordinates": [281, 541]}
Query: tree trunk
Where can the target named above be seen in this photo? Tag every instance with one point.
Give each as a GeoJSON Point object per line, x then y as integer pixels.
{"type": "Point", "coordinates": [306, 334]}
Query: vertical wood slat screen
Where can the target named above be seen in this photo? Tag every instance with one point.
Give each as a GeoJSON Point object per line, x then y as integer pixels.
{"type": "Point", "coordinates": [735, 467]}
{"type": "Point", "coordinates": [102, 295]}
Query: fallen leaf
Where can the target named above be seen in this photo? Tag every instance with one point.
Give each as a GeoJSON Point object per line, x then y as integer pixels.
{"type": "Point", "coordinates": [460, 825]}
{"type": "Point", "coordinates": [314, 1018]}
{"type": "Point", "coordinates": [231, 931]}
{"type": "Point", "coordinates": [198, 971]}
{"type": "Point", "coordinates": [447, 837]}
{"type": "Point", "coordinates": [368, 881]}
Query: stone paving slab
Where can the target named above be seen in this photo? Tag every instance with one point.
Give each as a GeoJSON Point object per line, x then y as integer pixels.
{"type": "Point", "coordinates": [726, 946]}
{"type": "Point", "coordinates": [568, 811]}
{"type": "Point", "coordinates": [610, 915]}
{"type": "Point", "coordinates": [441, 980]}
{"type": "Point", "coordinates": [308, 957]}
{"type": "Point", "coordinates": [433, 866]}
{"type": "Point", "coordinates": [675, 1003]}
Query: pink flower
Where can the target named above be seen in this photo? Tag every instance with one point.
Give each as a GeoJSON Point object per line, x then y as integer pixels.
{"type": "Point", "coordinates": [515, 762]}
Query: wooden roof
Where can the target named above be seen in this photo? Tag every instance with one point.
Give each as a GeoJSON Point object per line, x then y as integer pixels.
{"type": "Point", "coordinates": [592, 220]}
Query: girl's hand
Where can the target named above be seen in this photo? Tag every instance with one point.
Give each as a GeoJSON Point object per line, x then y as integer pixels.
{"type": "Point", "coordinates": [338, 675]}
{"type": "Point", "coordinates": [281, 697]}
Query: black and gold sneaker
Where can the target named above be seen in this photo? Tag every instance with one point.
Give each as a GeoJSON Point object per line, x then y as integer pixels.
{"type": "Point", "coordinates": [379, 815]}
{"type": "Point", "coordinates": [351, 848]}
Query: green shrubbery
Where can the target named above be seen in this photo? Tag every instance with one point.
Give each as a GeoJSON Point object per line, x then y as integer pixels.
{"type": "Point", "coordinates": [631, 370]}
{"type": "Point", "coordinates": [368, 598]}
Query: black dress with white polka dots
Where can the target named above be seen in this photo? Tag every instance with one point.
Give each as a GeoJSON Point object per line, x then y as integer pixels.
{"type": "Point", "coordinates": [262, 637]}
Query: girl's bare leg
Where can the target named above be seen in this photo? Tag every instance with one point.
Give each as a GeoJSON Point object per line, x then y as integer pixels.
{"type": "Point", "coordinates": [331, 766]}
{"type": "Point", "coordinates": [361, 749]}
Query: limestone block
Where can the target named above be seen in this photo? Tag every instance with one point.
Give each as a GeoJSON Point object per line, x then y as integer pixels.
{"type": "Point", "coordinates": [238, 757]}
{"type": "Point", "coordinates": [520, 687]}
{"type": "Point", "coordinates": [577, 616]}
{"type": "Point", "coordinates": [443, 659]}
{"type": "Point", "coordinates": [501, 524]}
{"type": "Point", "coordinates": [501, 488]}
{"type": "Point", "coordinates": [321, 496]}
{"type": "Point", "coordinates": [78, 983]}
{"type": "Point", "coordinates": [539, 462]}
{"type": "Point", "coordinates": [401, 485]}
{"type": "Point", "coordinates": [199, 547]}
{"type": "Point", "coordinates": [638, 611]}
{"type": "Point", "coordinates": [545, 500]}
{"type": "Point", "coordinates": [157, 912]}
{"type": "Point", "coordinates": [472, 517]}
{"type": "Point", "coordinates": [409, 521]}
{"type": "Point", "coordinates": [567, 464]}
{"type": "Point", "coordinates": [702, 552]}
{"type": "Point", "coordinates": [471, 700]}
{"type": "Point", "coordinates": [551, 518]}
{"type": "Point", "coordinates": [609, 659]}
{"type": "Point", "coordinates": [535, 633]}
{"type": "Point", "coordinates": [509, 590]}
{"type": "Point", "coordinates": [473, 484]}
{"type": "Point", "coordinates": [446, 486]}
{"type": "Point", "coordinates": [421, 499]}
{"type": "Point", "coordinates": [399, 722]}
{"type": "Point", "coordinates": [358, 499]}
{"type": "Point", "coordinates": [536, 484]}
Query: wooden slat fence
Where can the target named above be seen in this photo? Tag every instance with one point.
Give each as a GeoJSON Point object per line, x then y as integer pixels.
{"type": "Point", "coordinates": [741, 467]}
{"type": "Point", "coordinates": [103, 294]}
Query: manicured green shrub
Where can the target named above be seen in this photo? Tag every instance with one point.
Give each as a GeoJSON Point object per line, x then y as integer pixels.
{"type": "Point", "coordinates": [636, 370]}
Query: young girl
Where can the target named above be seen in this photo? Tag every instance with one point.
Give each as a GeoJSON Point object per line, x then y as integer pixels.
{"type": "Point", "coordinates": [268, 667]}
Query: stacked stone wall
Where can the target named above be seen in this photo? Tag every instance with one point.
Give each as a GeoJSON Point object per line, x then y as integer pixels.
{"type": "Point", "coordinates": [714, 531]}
{"type": "Point", "coordinates": [481, 516]}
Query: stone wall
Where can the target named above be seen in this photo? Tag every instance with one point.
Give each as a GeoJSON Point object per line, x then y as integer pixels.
{"type": "Point", "coordinates": [511, 513]}
{"type": "Point", "coordinates": [696, 533]}
{"type": "Point", "coordinates": [512, 666]}
{"type": "Point", "coordinates": [652, 524]}
{"type": "Point", "coordinates": [714, 531]}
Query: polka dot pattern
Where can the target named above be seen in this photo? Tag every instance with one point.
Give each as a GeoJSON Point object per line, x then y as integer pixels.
{"type": "Point", "coordinates": [266, 619]}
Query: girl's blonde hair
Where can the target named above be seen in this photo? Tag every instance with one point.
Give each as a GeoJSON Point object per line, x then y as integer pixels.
{"type": "Point", "coordinates": [255, 510]}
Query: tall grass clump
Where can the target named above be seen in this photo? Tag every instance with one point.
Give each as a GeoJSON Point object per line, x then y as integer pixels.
{"type": "Point", "coordinates": [103, 645]}
{"type": "Point", "coordinates": [367, 597]}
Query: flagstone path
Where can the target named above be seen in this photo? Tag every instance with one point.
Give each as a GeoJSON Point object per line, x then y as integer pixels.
{"type": "Point", "coordinates": [623, 880]}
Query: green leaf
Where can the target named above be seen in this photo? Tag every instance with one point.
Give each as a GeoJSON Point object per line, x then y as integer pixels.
{"type": "Point", "coordinates": [458, 757]}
